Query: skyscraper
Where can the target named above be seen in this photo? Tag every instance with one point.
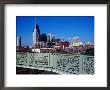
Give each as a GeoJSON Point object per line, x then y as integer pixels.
{"type": "Point", "coordinates": [36, 35]}
{"type": "Point", "coordinates": [43, 37]}
{"type": "Point", "coordinates": [49, 37]}
{"type": "Point", "coordinates": [53, 38]}
{"type": "Point", "coordinates": [18, 41]}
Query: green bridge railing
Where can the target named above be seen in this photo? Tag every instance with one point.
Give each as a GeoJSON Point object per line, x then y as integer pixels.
{"type": "Point", "coordinates": [59, 63]}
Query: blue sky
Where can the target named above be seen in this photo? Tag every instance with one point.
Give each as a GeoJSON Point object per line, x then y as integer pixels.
{"type": "Point", "coordinates": [63, 27]}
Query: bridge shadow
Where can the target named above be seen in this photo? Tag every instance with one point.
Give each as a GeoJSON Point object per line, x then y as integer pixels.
{"type": "Point", "coordinates": [21, 70]}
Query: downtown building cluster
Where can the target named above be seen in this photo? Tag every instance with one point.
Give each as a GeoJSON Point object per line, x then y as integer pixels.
{"type": "Point", "coordinates": [43, 43]}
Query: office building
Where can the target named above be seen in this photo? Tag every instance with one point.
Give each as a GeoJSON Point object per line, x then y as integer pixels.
{"type": "Point", "coordinates": [49, 38]}
{"type": "Point", "coordinates": [36, 35]}
{"type": "Point", "coordinates": [18, 41]}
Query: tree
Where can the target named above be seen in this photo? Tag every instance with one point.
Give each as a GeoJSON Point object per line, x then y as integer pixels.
{"type": "Point", "coordinates": [89, 52]}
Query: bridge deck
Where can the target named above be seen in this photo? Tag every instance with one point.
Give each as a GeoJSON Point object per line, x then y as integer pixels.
{"type": "Point", "coordinates": [21, 70]}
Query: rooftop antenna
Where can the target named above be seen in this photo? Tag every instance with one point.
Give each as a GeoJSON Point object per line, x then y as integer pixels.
{"type": "Point", "coordinates": [35, 21]}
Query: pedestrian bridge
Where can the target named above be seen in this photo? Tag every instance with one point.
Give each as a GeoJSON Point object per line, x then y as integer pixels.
{"type": "Point", "coordinates": [59, 63]}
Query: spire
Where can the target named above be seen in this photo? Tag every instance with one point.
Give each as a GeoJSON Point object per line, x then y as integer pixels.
{"type": "Point", "coordinates": [35, 21]}
{"type": "Point", "coordinates": [36, 26]}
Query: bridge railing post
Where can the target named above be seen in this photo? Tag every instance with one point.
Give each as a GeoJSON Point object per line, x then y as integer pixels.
{"type": "Point", "coordinates": [88, 64]}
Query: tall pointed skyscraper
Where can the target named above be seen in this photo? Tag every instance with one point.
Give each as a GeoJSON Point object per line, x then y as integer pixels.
{"type": "Point", "coordinates": [36, 34]}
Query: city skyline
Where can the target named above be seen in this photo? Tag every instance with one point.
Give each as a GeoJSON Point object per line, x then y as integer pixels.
{"type": "Point", "coordinates": [63, 27]}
